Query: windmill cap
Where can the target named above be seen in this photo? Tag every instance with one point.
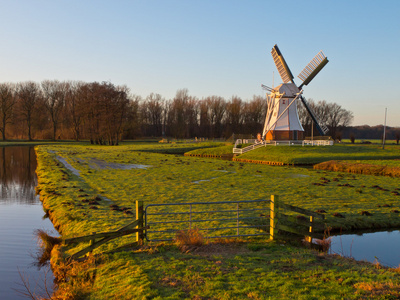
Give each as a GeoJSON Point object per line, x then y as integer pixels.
{"type": "Point", "coordinates": [290, 89]}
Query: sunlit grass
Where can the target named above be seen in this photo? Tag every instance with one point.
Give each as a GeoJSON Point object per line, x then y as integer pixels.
{"type": "Point", "coordinates": [298, 155]}
{"type": "Point", "coordinates": [259, 271]}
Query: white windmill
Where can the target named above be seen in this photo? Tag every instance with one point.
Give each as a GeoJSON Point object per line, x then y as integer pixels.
{"type": "Point", "coordinates": [282, 119]}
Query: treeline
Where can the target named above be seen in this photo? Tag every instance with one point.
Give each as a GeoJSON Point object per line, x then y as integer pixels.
{"type": "Point", "coordinates": [371, 132]}
{"type": "Point", "coordinates": [105, 113]}
{"type": "Point", "coordinates": [334, 116]}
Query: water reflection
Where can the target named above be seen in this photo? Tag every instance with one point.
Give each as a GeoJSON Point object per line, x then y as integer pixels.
{"type": "Point", "coordinates": [373, 247]}
{"type": "Point", "coordinates": [17, 175]}
{"type": "Point", "coordinates": [20, 215]}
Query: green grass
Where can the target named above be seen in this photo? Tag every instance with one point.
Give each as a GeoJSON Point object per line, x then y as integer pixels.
{"type": "Point", "coordinates": [317, 154]}
{"type": "Point", "coordinates": [272, 272]}
{"type": "Point", "coordinates": [298, 155]}
{"type": "Point", "coordinates": [163, 272]}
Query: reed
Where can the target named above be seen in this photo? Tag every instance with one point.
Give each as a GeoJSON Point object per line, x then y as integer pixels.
{"type": "Point", "coordinates": [47, 244]}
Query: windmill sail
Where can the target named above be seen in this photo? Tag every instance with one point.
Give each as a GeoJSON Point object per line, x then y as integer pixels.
{"type": "Point", "coordinates": [313, 68]}
{"type": "Point", "coordinates": [282, 120]}
{"type": "Point", "coordinates": [281, 65]}
{"type": "Point", "coordinates": [320, 127]}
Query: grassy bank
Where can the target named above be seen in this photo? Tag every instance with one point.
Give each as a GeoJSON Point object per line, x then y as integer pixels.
{"type": "Point", "coordinates": [309, 155]}
{"type": "Point", "coordinates": [257, 269]}
{"type": "Point", "coordinates": [316, 154]}
{"type": "Point", "coordinates": [370, 167]}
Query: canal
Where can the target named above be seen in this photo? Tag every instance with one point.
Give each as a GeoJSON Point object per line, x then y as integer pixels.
{"type": "Point", "coordinates": [376, 247]}
{"type": "Point", "coordinates": [21, 213]}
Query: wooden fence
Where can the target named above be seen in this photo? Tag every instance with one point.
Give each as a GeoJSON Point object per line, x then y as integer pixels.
{"type": "Point", "coordinates": [98, 239]}
{"type": "Point", "coordinates": [302, 226]}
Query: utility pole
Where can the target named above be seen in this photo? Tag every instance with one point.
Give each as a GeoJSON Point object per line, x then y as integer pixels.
{"type": "Point", "coordinates": [384, 131]}
{"type": "Point", "coordinates": [312, 132]}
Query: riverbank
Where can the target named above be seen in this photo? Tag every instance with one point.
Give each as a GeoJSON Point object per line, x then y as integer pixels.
{"type": "Point", "coordinates": [255, 269]}
{"type": "Point", "coordinates": [370, 167]}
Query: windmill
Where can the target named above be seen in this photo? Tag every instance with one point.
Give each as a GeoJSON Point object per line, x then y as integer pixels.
{"type": "Point", "coordinates": [282, 119]}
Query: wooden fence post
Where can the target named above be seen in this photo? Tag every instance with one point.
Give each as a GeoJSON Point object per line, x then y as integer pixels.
{"type": "Point", "coordinates": [139, 216]}
{"type": "Point", "coordinates": [273, 216]}
{"type": "Point", "coordinates": [309, 238]}
{"type": "Point", "coordinates": [92, 240]}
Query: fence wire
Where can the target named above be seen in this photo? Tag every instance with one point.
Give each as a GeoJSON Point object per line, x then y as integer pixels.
{"type": "Point", "coordinates": [213, 219]}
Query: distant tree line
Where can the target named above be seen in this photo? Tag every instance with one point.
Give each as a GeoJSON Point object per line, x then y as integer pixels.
{"type": "Point", "coordinates": [366, 132]}
{"type": "Point", "coordinates": [334, 116]}
{"type": "Point", "coordinates": [105, 113]}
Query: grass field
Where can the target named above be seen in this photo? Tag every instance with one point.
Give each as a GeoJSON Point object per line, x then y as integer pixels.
{"type": "Point", "coordinates": [308, 155]}
{"type": "Point", "coordinates": [255, 269]}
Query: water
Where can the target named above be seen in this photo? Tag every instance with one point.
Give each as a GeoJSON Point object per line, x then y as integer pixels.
{"type": "Point", "coordinates": [20, 215]}
{"type": "Point", "coordinates": [379, 247]}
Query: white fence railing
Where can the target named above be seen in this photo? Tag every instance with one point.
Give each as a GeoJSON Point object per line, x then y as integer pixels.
{"type": "Point", "coordinates": [248, 148]}
{"type": "Point", "coordinates": [317, 142]}
{"type": "Point", "coordinates": [258, 144]}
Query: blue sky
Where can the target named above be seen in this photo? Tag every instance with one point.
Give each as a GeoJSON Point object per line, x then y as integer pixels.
{"type": "Point", "coordinates": [210, 47]}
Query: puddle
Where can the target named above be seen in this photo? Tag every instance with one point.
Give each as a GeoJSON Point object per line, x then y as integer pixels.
{"type": "Point", "coordinates": [75, 172]}
{"type": "Point", "coordinates": [102, 165]}
{"type": "Point", "coordinates": [298, 176]}
{"type": "Point", "coordinates": [203, 180]}
{"type": "Point", "coordinates": [68, 166]}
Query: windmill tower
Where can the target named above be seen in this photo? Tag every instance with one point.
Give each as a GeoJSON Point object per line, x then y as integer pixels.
{"type": "Point", "coordinates": [282, 119]}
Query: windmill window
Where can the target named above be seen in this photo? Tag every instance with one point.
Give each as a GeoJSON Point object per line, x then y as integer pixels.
{"type": "Point", "coordinates": [283, 101]}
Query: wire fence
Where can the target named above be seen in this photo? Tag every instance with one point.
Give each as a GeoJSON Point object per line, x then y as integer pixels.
{"type": "Point", "coordinates": [214, 219]}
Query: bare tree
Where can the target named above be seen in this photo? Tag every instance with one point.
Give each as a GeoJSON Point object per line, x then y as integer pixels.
{"type": "Point", "coordinates": [154, 112]}
{"type": "Point", "coordinates": [204, 118]}
{"type": "Point", "coordinates": [191, 114]}
{"type": "Point", "coordinates": [92, 121]}
{"type": "Point", "coordinates": [7, 102]}
{"type": "Point", "coordinates": [132, 121]}
{"type": "Point", "coordinates": [54, 95]}
{"type": "Point", "coordinates": [115, 108]}
{"type": "Point", "coordinates": [254, 114]}
{"type": "Point", "coordinates": [217, 112]}
{"type": "Point", "coordinates": [177, 120]}
{"type": "Point", "coordinates": [28, 97]}
{"type": "Point", "coordinates": [330, 114]}
{"type": "Point", "coordinates": [106, 107]}
{"type": "Point", "coordinates": [234, 115]}
{"type": "Point", "coordinates": [75, 106]}
{"type": "Point", "coordinates": [337, 116]}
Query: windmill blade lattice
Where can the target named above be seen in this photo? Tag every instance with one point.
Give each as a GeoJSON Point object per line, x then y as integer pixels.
{"type": "Point", "coordinates": [281, 65]}
{"type": "Point", "coordinates": [312, 69]}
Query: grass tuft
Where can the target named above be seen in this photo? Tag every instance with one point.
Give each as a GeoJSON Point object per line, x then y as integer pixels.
{"type": "Point", "coordinates": [189, 239]}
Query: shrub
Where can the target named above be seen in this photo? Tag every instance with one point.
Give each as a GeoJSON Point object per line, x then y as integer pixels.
{"type": "Point", "coordinates": [189, 239]}
{"type": "Point", "coordinates": [352, 138]}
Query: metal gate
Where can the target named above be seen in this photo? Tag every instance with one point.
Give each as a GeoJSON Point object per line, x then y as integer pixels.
{"type": "Point", "coordinates": [213, 219]}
